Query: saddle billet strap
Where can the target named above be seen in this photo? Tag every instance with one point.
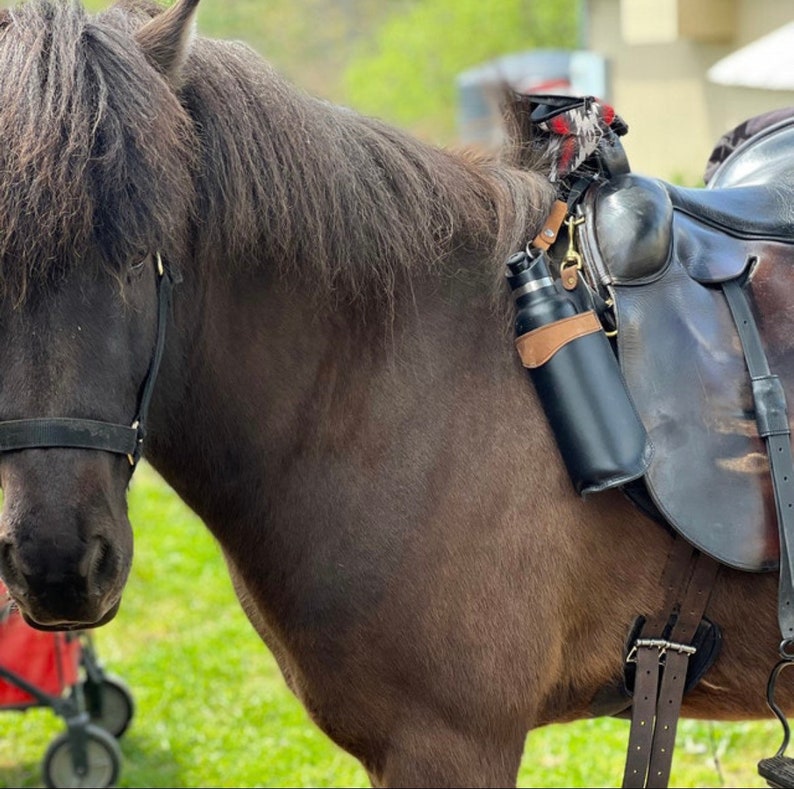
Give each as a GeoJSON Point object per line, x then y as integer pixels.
{"type": "Point", "coordinates": [648, 661]}
{"type": "Point", "coordinates": [773, 427]}
{"type": "Point", "coordinates": [662, 663]}
{"type": "Point", "coordinates": [671, 693]}
{"type": "Point", "coordinates": [646, 686]}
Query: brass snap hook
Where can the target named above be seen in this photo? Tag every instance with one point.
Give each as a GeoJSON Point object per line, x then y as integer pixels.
{"type": "Point", "coordinates": [572, 260]}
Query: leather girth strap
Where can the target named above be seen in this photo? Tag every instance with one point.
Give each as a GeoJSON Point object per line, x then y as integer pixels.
{"type": "Point", "coordinates": [662, 653]}
{"type": "Point", "coordinates": [771, 416]}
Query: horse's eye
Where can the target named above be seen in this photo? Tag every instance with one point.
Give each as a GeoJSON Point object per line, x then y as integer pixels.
{"type": "Point", "coordinates": [137, 266]}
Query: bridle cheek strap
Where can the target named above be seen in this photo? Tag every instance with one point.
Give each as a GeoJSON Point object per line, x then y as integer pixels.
{"type": "Point", "coordinates": [69, 433]}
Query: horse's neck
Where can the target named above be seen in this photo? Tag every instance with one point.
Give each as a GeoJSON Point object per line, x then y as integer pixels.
{"type": "Point", "coordinates": [273, 377]}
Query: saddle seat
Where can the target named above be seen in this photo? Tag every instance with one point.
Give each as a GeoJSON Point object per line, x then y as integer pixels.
{"type": "Point", "coordinates": [756, 211]}
{"type": "Point", "coordinates": [662, 251]}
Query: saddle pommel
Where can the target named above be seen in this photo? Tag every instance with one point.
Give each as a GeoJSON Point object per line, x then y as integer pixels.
{"type": "Point", "coordinates": [633, 225]}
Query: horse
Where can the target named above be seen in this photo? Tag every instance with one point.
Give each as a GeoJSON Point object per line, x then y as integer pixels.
{"type": "Point", "coordinates": [336, 396]}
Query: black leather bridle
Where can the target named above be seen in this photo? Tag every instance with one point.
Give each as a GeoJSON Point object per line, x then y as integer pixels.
{"type": "Point", "coordinates": [91, 434]}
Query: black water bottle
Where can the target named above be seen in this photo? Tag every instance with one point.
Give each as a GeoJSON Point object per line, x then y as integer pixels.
{"type": "Point", "coordinates": [538, 302]}
{"type": "Point", "coordinates": [577, 376]}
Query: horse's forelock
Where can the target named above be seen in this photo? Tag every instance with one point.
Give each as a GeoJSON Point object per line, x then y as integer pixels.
{"type": "Point", "coordinates": [95, 158]}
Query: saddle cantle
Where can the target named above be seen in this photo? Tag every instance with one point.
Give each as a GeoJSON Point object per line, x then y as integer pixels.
{"type": "Point", "coordinates": [662, 252]}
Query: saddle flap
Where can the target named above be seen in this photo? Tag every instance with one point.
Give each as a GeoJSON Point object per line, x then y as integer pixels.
{"type": "Point", "coordinates": [661, 252]}
{"type": "Point", "coordinates": [685, 369]}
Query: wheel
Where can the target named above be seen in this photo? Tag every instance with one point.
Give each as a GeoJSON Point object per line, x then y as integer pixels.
{"type": "Point", "coordinates": [103, 759]}
{"type": "Point", "coordinates": [110, 704]}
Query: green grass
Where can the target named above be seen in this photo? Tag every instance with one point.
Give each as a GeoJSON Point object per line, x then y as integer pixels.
{"type": "Point", "coordinates": [213, 710]}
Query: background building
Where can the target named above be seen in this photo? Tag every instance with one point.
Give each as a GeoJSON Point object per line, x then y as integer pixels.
{"type": "Point", "coordinates": [683, 72]}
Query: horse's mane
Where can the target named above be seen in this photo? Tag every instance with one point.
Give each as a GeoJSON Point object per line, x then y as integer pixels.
{"type": "Point", "coordinates": [279, 175]}
{"type": "Point", "coordinates": [322, 186]}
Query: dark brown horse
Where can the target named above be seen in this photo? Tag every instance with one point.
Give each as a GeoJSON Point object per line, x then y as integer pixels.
{"type": "Point", "coordinates": [339, 399]}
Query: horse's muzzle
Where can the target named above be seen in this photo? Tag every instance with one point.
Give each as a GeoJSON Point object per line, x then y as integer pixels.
{"type": "Point", "coordinates": [70, 590]}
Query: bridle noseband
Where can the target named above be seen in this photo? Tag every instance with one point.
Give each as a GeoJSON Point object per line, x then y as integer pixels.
{"type": "Point", "coordinates": [71, 433]}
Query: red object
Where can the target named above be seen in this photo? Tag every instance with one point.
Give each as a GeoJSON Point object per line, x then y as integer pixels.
{"type": "Point", "coordinates": [49, 661]}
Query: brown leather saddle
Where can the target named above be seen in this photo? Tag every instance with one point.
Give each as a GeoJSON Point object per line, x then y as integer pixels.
{"type": "Point", "coordinates": [663, 253]}
{"type": "Point", "coordinates": [694, 288]}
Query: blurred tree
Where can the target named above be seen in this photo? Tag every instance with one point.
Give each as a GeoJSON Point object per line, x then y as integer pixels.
{"type": "Point", "coordinates": [406, 72]}
{"type": "Point", "coordinates": [309, 41]}
{"type": "Point", "coordinates": [396, 59]}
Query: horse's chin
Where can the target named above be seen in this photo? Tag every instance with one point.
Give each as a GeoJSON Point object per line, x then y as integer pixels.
{"type": "Point", "coordinates": [40, 622]}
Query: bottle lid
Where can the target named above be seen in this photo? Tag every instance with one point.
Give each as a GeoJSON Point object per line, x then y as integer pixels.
{"type": "Point", "coordinates": [517, 263]}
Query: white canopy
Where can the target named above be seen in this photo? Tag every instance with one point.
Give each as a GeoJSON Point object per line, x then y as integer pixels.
{"type": "Point", "coordinates": [766, 63]}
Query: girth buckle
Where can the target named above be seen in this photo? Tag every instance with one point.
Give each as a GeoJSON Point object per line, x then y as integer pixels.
{"type": "Point", "coordinates": [662, 645]}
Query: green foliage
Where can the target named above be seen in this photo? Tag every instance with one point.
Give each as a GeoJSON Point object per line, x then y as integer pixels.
{"type": "Point", "coordinates": [309, 41]}
{"type": "Point", "coordinates": [398, 59]}
{"type": "Point", "coordinates": [408, 74]}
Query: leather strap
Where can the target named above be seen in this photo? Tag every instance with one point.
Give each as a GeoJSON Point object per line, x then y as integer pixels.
{"type": "Point", "coordinates": [674, 577]}
{"type": "Point", "coordinates": [73, 433]}
{"type": "Point", "coordinates": [536, 347]}
{"type": "Point", "coordinates": [648, 659]}
{"type": "Point", "coordinates": [671, 693]}
{"type": "Point", "coordinates": [643, 711]}
{"type": "Point", "coordinates": [551, 227]}
{"type": "Point", "coordinates": [168, 278]}
{"type": "Point", "coordinates": [773, 426]}
{"type": "Point", "coordinates": [662, 652]}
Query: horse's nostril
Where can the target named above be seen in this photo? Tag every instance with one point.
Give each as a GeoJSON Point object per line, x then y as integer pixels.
{"type": "Point", "coordinates": [9, 568]}
{"type": "Point", "coordinates": [104, 564]}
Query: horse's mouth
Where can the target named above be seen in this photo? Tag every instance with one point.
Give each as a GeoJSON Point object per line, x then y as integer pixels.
{"type": "Point", "coordinates": [39, 621]}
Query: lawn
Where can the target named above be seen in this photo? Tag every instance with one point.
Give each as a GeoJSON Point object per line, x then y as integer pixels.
{"type": "Point", "coordinates": [212, 709]}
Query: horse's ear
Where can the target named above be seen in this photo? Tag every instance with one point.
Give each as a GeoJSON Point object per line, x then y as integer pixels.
{"type": "Point", "coordinates": [166, 39]}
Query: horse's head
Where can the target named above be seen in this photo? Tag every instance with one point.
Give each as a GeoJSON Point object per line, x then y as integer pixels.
{"type": "Point", "coordinates": [76, 371]}
{"type": "Point", "coordinates": [95, 183]}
